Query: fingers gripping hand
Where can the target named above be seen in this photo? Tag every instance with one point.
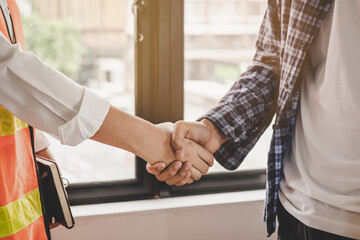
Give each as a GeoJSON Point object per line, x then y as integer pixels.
{"type": "Point", "coordinates": [197, 161]}
{"type": "Point", "coordinates": [155, 168]}
{"type": "Point", "coordinates": [197, 157]}
{"type": "Point", "coordinates": [177, 174]}
{"type": "Point", "coordinates": [183, 130]}
{"type": "Point", "coordinates": [205, 133]}
{"type": "Point", "coordinates": [181, 177]}
{"type": "Point", "coordinates": [170, 171]}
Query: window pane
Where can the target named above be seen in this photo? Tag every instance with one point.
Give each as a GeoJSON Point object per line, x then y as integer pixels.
{"type": "Point", "coordinates": [91, 41]}
{"type": "Point", "coordinates": [220, 40]}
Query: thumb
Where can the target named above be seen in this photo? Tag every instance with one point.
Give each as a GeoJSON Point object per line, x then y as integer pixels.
{"type": "Point", "coordinates": [155, 168]}
{"type": "Point", "coordinates": [177, 139]}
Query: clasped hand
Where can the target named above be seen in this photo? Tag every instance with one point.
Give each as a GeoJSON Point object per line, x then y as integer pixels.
{"type": "Point", "coordinates": [193, 144]}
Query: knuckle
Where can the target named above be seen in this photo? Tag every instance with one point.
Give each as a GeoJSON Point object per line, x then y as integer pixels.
{"type": "Point", "coordinates": [183, 174]}
{"type": "Point", "coordinates": [160, 178]}
{"type": "Point", "coordinates": [168, 183]}
{"type": "Point", "coordinates": [180, 123]}
{"type": "Point", "coordinates": [205, 170]}
{"type": "Point", "coordinates": [180, 126]}
{"type": "Point", "coordinates": [177, 127]}
{"type": "Point", "coordinates": [184, 181]}
{"type": "Point", "coordinates": [172, 172]}
{"type": "Point", "coordinates": [148, 168]}
{"type": "Point", "coordinates": [191, 144]}
{"type": "Point", "coordinates": [152, 171]}
{"type": "Point", "coordinates": [197, 177]}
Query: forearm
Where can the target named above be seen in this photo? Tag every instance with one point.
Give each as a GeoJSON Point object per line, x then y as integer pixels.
{"type": "Point", "coordinates": [135, 135]}
{"type": "Point", "coordinates": [245, 107]}
{"type": "Point", "coordinates": [244, 113]}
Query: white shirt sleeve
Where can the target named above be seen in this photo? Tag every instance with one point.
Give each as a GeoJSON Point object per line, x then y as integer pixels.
{"type": "Point", "coordinates": [45, 98]}
{"type": "Point", "coordinates": [41, 142]}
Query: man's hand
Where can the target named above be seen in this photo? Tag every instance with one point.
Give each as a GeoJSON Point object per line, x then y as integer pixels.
{"type": "Point", "coordinates": [204, 133]}
{"type": "Point", "coordinates": [177, 174]}
{"type": "Point", "coordinates": [148, 141]}
{"type": "Point", "coordinates": [200, 159]}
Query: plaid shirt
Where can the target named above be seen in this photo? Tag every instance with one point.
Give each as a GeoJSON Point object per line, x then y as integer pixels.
{"type": "Point", "coordinates": [267, 87]}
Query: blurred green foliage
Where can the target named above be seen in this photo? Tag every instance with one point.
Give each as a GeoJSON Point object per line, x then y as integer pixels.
{"type": "Point", "coordinates": [228, 71]}
{"type": "Point", "coordinates": [57, 43]}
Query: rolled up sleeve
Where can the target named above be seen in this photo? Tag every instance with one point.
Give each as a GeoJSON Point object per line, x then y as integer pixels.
{"type": "Point", "coordinates": [86, 122]}
{"type": "Point", "coordinates": [45, 98]}
{"type": "Point", "coordinates": [41, 142]}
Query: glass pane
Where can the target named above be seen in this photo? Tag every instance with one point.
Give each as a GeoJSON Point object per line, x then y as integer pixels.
{"type": "Point", "coordinates": [91, 41]}
{"type": "Point", "coordinates": [220, 40]}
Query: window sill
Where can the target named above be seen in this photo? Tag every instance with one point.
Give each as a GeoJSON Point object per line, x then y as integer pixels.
{"type": "Point", "coordinates": [201, 217]}
{"type": "Point", "coordinates": [167, 203]}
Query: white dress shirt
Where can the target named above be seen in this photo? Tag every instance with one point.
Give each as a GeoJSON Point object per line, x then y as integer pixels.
{"type": "Point", "coordinates": [45, 98]}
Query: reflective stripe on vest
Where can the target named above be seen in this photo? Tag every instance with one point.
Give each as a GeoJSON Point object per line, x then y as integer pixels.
{"type": "Point", "coordinates": [19, 214]}
{"type": "Point", "coordinates": [9, 123]}
{"type": "Point", "coordinates": [20, 205]}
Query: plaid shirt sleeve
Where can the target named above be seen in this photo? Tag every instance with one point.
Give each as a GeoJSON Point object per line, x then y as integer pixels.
{"type": "Point", "coordinates": [246, 110]}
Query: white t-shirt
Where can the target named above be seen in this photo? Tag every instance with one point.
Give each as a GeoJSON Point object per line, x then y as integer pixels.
{"type": "Point", "coordinates": [321, 183]}
{"type": "Point", "coordinates": [45, 98]}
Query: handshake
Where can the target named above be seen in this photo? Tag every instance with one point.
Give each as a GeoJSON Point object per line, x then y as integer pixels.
{"type": "Point", "coordinates": [185, 151]}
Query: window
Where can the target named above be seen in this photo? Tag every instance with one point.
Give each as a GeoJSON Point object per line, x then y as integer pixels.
{"type": "Point", "coordinates": [163, 60]}
{"type": "Point", "coordinates": [219, 45]}
{"type": "Point", "coordinates": [92, 42]}
{"type": "Point", "coordinates": [95, 50]}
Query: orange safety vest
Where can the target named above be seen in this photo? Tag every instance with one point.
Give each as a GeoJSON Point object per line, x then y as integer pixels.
{"type": "Point", "coordinates": [21, 215]}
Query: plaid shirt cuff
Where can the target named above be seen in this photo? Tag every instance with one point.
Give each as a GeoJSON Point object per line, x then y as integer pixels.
{"type": "Point", "coordinates": [243, 114]}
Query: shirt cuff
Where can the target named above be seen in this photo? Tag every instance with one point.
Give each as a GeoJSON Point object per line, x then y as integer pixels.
{"type": "Point", "coordinates": [41, 142]}
{"type": "Point", "coordinates": [87, 121]}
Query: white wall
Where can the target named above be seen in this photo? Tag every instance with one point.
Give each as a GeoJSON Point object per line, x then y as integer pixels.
{"type": "Point", "coordinates": [231, 220]}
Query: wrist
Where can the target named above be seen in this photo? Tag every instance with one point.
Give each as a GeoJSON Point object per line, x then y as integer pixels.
{"type": "Point", "coordinates": [156, 144]}
{"type": "Point", "coordinates": [214, 132]}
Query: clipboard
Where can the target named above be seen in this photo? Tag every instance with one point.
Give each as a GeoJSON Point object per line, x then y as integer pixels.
{"type": "Point", "coordinates": [56, 203]}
